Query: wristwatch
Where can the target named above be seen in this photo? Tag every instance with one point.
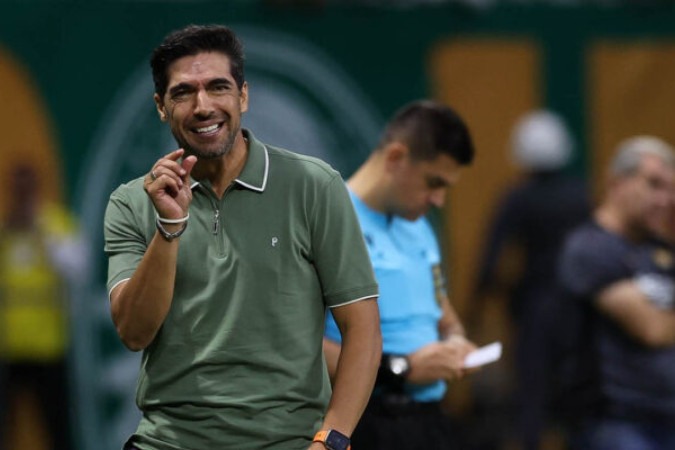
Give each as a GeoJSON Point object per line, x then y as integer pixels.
{"type": "Point", "coordinates": [398, 365]}
{"type": "Point", "coordinates": [333, 440]}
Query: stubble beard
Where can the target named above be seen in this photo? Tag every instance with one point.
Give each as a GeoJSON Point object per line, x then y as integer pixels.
{"type": "Point", "coordinates": [202, 154]}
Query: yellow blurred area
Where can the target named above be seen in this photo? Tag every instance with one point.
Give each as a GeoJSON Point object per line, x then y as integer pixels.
{"type": "Point", "coordinates": [28, 138]}
{"type": "Point", "coordinates": [29, 135]}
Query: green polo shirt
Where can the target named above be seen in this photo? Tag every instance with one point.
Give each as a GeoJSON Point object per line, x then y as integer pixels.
{"type": "Point", "coordinates": [238, 362]}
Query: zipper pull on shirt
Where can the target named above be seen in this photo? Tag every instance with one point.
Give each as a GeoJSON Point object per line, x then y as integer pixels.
{"type": "Point", "coordinates": [216, 222]}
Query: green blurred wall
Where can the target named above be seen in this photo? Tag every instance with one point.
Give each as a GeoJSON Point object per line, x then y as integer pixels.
{"type": "Point", "coordinates": [81, 55]}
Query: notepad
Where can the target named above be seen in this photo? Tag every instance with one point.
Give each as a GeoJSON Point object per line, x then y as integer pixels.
{"type": "Point", "coordinates": [483, 355]}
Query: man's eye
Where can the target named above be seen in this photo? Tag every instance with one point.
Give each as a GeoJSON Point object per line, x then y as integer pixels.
{"type": "Point", "coordinates": [218, 88]}
{"type": "Point", "coordinates": [179, 95]}
{"type": "Point", "coordinates": [435, 183]}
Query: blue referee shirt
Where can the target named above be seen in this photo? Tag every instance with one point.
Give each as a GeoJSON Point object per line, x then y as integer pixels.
{"type": "Point", "coordinates": [404, 254]}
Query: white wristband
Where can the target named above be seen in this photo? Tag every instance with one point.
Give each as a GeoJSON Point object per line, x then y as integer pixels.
{"type": "Point", "coordinates": [173, 221]}
{"type": "Point", "coordinates": [169, 236]}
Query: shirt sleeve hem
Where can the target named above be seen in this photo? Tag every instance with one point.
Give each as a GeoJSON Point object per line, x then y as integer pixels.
{"type": "Point", "coordinates": [352, 295]}
{"type": "Point", "coordinates": [115, 285]}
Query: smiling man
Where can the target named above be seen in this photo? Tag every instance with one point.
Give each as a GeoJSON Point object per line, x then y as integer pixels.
{"type": "Point", "coordinates": [222, 261]}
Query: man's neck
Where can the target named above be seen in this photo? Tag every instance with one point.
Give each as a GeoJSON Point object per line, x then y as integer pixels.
{"type": "Point", "coordinates": [367, 185]}
{"type": "Point", "coordinates": [611, 219]}
{"type": "Point", "coordinates": [221, 172]}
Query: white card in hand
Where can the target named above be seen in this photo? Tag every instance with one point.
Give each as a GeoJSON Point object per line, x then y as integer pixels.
{"type": "Point", "coordinates": [484, 355]}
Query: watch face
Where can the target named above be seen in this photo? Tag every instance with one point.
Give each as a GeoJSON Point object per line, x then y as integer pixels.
{"type": "Point", "coordinates": [398, 365]}
{"type": "Point", "coordinates": [337, 441]}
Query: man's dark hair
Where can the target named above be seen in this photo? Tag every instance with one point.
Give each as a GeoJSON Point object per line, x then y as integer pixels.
{"type": "Point", "coordinates": [192, 40]}
{"type": "Point", "coordinates": [429, 129]}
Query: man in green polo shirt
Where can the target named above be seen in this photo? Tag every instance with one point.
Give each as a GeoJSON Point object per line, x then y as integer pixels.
{"type": "Point", "coordinates": [222, 261]}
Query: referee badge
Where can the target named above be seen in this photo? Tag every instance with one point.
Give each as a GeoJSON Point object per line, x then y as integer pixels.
{"type": "Point", "coordinates": [439, 283]}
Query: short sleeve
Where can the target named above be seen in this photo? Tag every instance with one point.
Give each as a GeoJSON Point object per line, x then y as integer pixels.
{"type": "Point", "coordinates": [590, 262]}
{"type": "Point", "coordinates": [125, 243]}
{"type": "Point", "coordinates": [339, 250]}
{"type": "Point", "coordinates": [434, 255]}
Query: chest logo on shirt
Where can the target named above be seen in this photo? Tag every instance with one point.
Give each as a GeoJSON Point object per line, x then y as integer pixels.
{"type": "Point", "coordinates": [275, 241]}
{"type": "Point", "coordinates": [663, 258]}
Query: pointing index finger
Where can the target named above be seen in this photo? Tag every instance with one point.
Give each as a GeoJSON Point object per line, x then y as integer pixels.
{"type": "Point", "coordinates": [175, 155]}
{"type": "Point", "coordinates": [187, 165]}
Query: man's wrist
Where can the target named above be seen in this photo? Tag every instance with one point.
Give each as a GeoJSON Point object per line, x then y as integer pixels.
{"type": "Point", "coordinates": [333, 440]}
{"type": "Point", "coordinates": [170, 235]}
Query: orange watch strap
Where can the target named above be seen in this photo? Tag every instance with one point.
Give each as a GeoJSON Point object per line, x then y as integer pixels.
{"type": "Point", "coordinates": [320, 436]}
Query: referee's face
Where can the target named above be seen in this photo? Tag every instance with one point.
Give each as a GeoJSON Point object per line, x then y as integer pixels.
{"type": "Point", "coordinates": [420, 185]}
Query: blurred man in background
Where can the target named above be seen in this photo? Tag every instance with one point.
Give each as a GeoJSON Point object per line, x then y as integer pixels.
{"type": "Point", "coordinates": [616, 326]}
{"type": "Point", "coordinates": [40, 252]}
{"type": "Point", "coordinates": [533, 218]}
{"type": "Point", "coordinates": [418, 159]}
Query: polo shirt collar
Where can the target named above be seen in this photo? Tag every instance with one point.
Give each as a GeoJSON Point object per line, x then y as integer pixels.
{"type": "Point", "coordinates": [256, 168]}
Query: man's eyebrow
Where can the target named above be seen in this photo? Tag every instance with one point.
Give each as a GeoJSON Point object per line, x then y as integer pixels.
{"type": "Point", "coordinates": [179, 87]}
{"type": "Point", "coordinates": [188, 86]}
{"type": "Point", "coordinates": [220, 81]}
{"type": "Point", "coordinates": [437, 181]}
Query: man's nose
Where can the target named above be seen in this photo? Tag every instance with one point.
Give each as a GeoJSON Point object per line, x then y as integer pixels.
{"type": "Point", "coordinates": [665, 199]}
{"type": "Point", "coordinates": [437, 198]}
{"type": "Point", "coordinates": [203, 104]}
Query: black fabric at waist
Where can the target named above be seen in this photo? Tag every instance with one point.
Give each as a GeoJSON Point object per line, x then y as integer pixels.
{"type": "Point", "coordinates": [400, 405]}
{"type": "Point", "coordinates": [639, 415]}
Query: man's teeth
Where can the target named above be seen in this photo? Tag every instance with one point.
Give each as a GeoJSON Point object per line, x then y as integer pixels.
{"type": "Point", "coordinates": [208, 129]}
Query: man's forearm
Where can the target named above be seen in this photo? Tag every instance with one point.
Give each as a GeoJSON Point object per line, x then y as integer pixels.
{"type": "Point", "coordinates": [449, 323]}
{"type": "Point", "coordinates": [140, 306]}
{"type": "Point", "coordinates": [666, 335]}
{"type": "Point", "coordinates": [354, 378]}
{"type": "Point", "coordinates": [629, 307]}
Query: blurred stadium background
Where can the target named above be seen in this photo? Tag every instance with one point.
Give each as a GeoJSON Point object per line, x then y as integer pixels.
{"type": "Point", "coordinates": [76, 102]}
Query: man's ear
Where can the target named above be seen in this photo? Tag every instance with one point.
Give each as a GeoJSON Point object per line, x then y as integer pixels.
{"type": "Point", "coordinates": [161, 110]}
{"type": "Point", "coordinates": [243, 98]}
{"type": "Point", "coordinates": [395, 153]}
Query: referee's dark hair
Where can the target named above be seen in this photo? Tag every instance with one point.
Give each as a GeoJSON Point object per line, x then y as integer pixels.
{"type": "Point", "coordinates": [430, 128]}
